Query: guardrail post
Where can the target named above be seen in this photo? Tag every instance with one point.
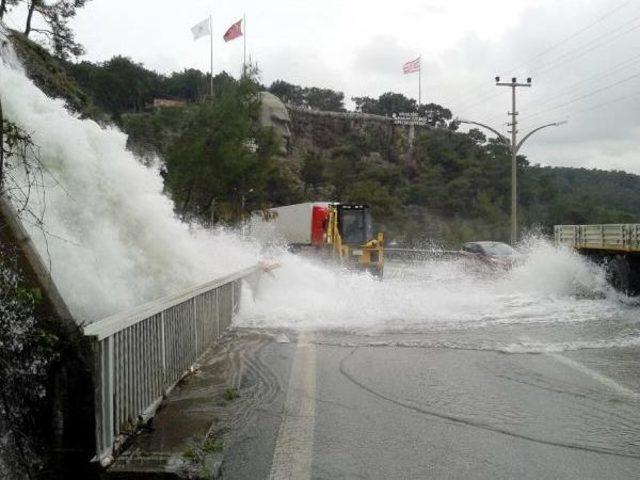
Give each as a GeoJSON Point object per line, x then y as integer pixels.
{"type": "Point", "coordinates": [195, 326]}
{"type": "Point", "coordinates": [110, 390]}
{"type": "Point", "coordinates": [217, 312]}
{"type": "Point", "coordinates": [104, 412]}
{"type": "Point", "coordinates": [233, 300]}
{"type": "Point", "coordinates": [164, 350]}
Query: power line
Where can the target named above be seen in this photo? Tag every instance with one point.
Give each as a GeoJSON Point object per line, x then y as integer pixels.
{"type": "Point", "coordinates": [475, 101]}
{"type": "Point", "coordinates": [586, 95]}
{"type": "Point", "coordinates": [577, 53]}
{"type": "Point", "coordinates": [619, 66]}
{"type": "Point", "coordinates": [605, 104]}
{"type": "Point", "coordinates": [594, 78]}
{"type": "Point", "coordinates": [575, 34]}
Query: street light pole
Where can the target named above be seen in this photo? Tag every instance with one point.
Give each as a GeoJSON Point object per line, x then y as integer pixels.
{"type": "Point", "coordinates": [514, 141]}
{"type": "Point", "coordinates": [514, 147]}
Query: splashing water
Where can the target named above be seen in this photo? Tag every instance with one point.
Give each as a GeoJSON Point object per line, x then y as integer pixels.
{"type": "Point", "coordinates": [551, 288]}
{"type": "Point", "coordinates": [110, 234]}
{"type": "Point", "coordinates": [432, 294]}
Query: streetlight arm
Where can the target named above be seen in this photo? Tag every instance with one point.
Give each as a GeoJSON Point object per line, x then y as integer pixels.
{"type": "Point", "coordinates": [500, 135]}
{"type": "Point", "coordinates": [524, 139]}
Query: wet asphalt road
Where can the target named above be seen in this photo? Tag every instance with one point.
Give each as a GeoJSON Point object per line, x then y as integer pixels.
{"type": "Point", "coordinates": [340, 407]}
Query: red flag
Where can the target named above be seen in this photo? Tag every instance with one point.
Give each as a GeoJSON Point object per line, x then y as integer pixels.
{"type": "Point", "coordinates": [234, 31]}
{"type": "Point", "coordinates": [412, 66]}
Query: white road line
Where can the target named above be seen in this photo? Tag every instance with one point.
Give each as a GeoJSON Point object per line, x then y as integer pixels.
{"type": "Point", "coordinates": [603, 379]}
{"type": "Point", "coordinates": [608, 382]}
{"type": "Point", "coordinates": [294, 446]}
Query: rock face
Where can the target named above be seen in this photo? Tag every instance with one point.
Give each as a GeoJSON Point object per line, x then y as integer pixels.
{"type": "Point", "coordinates": [318, 131]}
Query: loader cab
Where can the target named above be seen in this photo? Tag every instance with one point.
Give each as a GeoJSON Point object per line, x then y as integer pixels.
{"type": "Point", "coordinates": [354, 224]}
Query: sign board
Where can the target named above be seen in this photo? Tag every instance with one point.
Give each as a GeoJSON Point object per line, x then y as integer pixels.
{"type": "Point", "coordinates": [410, 118]}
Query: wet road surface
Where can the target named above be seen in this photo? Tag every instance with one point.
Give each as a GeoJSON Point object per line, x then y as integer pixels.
{"type": "Point", "coordinates": [332, 406]}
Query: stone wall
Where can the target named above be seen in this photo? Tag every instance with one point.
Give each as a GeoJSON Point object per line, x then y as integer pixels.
{"type": "Point", "coordinates": [317, 131]}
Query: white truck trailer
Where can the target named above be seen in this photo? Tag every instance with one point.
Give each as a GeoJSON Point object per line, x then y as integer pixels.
{"type": "Point", "coordinates": [616, 246]}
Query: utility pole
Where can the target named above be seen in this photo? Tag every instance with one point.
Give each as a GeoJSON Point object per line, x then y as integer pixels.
{"type": "Point", "coordinates": [514, 146]}
{"type": "Point", "coordinates": [514, 141]}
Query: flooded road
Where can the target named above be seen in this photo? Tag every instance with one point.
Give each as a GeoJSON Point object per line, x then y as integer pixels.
{"type": "Point", "coordinates": [345, 408]}
{"type": "Point", "coordinates": [530, 374]}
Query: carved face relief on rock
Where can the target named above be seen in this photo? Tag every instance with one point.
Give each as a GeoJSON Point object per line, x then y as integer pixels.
{"type": "Point", "coordinates": [273, 113]}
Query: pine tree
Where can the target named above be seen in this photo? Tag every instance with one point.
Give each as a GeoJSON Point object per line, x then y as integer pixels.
{"type": "Point", "coordinates": [56, 17]}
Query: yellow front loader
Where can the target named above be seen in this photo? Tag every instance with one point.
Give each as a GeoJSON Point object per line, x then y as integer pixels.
{"type": "Point", "coordinates": [350, 239]}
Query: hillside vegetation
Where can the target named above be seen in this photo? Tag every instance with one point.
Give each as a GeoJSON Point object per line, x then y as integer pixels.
{"type": "Point", "coordinates": [220, 164]}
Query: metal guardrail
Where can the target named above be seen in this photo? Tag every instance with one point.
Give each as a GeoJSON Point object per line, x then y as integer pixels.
{"type": "Point", "coordinates": [141, 354]}
{"type": "Point", "coordinates": [613, 237]}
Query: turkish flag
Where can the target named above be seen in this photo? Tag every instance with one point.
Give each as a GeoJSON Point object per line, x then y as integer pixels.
{"type": "Point", "coordinates": [234, 31]}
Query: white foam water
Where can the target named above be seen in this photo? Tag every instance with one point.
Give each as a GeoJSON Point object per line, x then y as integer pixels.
{"type": "Point", "coordinates": [108, 230]}
{"type": "Point", "coordinates": [545, 288]}
{"type": "Point", "coordinates": [553, 287]}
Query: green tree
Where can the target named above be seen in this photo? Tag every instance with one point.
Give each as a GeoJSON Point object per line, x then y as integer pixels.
{"type": "Point", "coordinates": [313, 166]}
{"type": "Point", "coordinates": [28, 350]}
{"type": "Point", "coordinates": [367, 105]}
{"type": "Point", "coordinates": [56, 16]}
{"type": "Point", "coordinates": [288, 93]}
{"type": "Point", "coordinates": [212, 168]}
{"type": "Point", "coordinates": [312, 97]}
{"type": "Point", "coordinates": [477, 136]}
{"type": "Point", "coordinates": [391, 103]}
{"type": "Point", "coordinates": [190, 84]}
{"type": "Point", "coordinates": [375, 194]}
{"type": "Point", "coordinates": [324, 99]}
{"type": "Point", "coordinates": [437, 115]}
{"type": "Point", "coordinates": [118, 85]}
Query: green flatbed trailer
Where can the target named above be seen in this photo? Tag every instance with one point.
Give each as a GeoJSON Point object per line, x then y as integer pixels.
{"type": "Point", "coordinates": [616, 246]}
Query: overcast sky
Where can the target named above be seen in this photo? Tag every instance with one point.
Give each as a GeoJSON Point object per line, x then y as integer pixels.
{"type": "Point", "coordinates": [583, 57]}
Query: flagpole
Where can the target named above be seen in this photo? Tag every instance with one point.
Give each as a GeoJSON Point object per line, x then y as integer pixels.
{"type": "Point", "coordinates": [211, 50]}
{"type": "Point", "coordinates": [244, 38]}
{"type": "Point", "coordinates": [419, 82]}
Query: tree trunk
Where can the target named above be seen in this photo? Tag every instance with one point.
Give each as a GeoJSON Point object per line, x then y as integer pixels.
{"type": "Point", "coordinates": [3, 8]}
{"type": "Point", "coordinates": [32, 7]}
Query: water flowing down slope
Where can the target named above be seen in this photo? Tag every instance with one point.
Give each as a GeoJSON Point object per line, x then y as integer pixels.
{"type": "Point", "coordinates": [108, 230]}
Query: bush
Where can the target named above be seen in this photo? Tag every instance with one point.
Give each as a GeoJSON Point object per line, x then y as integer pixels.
{"type": "Point", "coordinates": [26, 351]}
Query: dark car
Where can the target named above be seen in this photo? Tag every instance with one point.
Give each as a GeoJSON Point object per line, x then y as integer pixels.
{"type": "Point", "coordinates": [495, 255]}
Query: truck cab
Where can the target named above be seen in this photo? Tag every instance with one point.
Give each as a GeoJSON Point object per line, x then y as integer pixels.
{"type": "Point", "coordinates": [350, 233]}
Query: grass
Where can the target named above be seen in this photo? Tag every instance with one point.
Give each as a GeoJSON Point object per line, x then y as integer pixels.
{"type": "Point", "coordinates": [231, 394]}
{"type": "Point", "coordinates": [190, 453]}
{"type": "Point", "coordinates": [212, 445]}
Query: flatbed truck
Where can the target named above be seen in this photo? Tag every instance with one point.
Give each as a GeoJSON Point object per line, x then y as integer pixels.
{"type": "Point", "coordinates": [616, 246]}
